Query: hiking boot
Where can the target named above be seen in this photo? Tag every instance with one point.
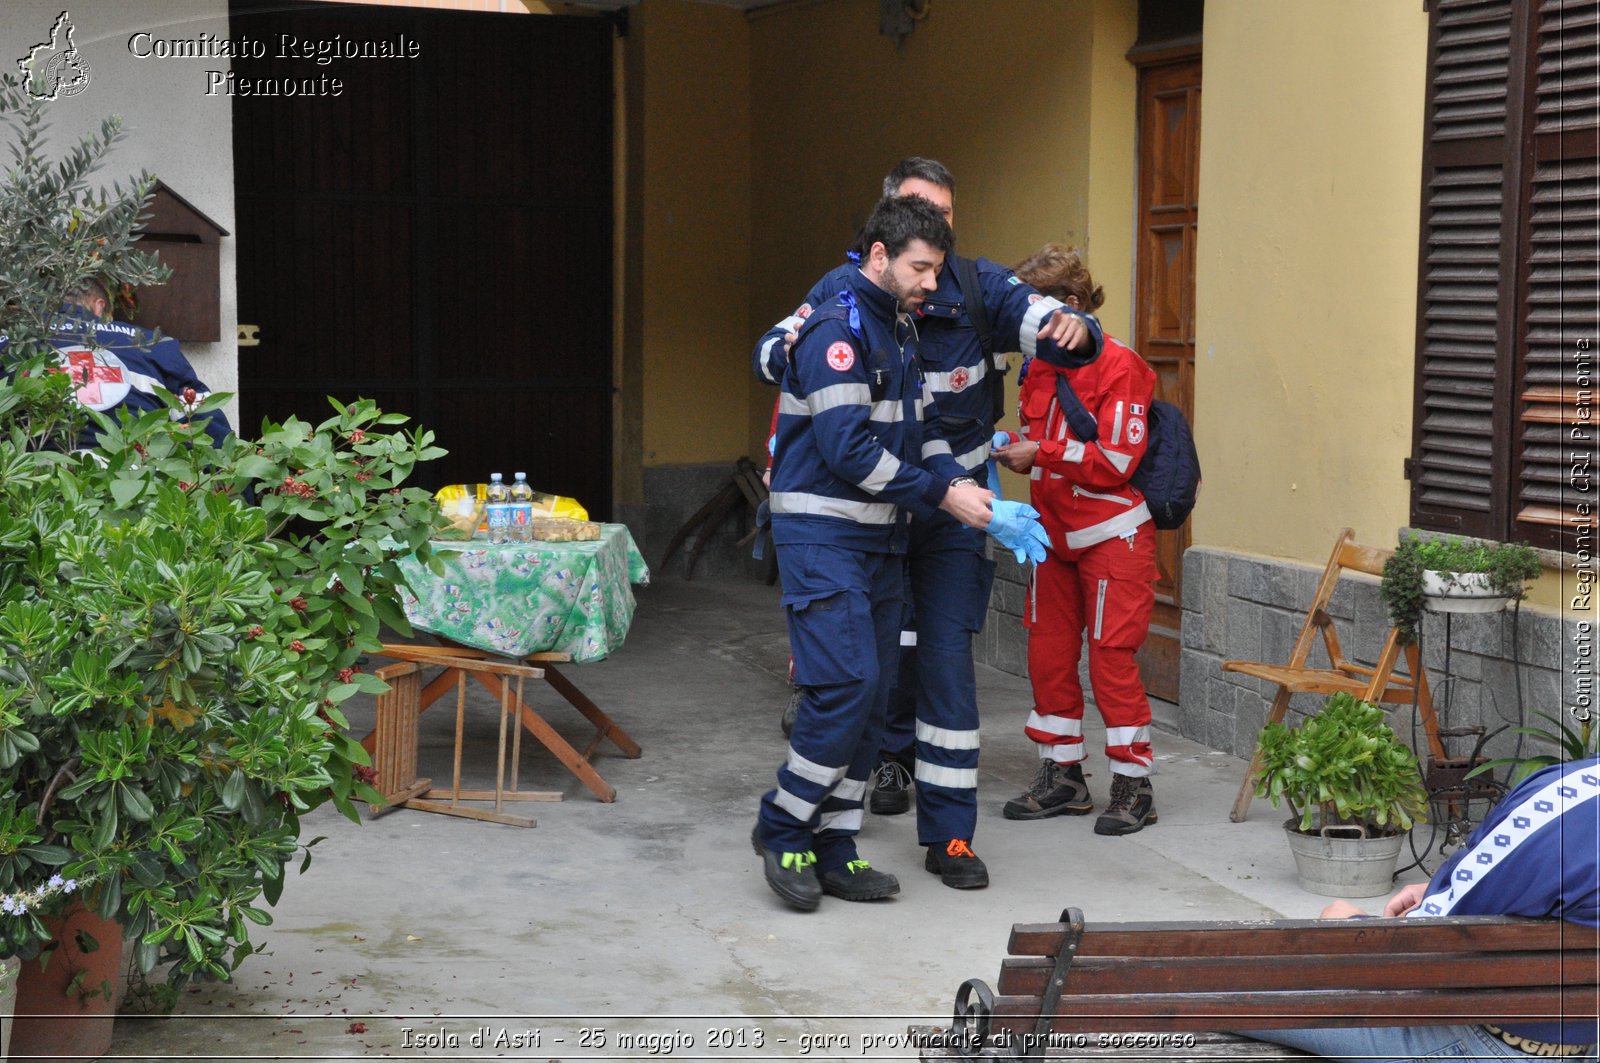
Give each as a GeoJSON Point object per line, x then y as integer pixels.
{"type": "Point", "coordinates": [792, 876]}
{"type": "Point", "coordinates": [891, 790]}
{"type": "Point", "coordinates": [1058, 790]}
{"type": "Point", "coordinates": [957, 865]}
{"type": "Point", "coordinates": [1132, 806]}
{"type": "Point", "coordinates": [789, 712]}
{"type": "Point", "coordinates": [857, 881]}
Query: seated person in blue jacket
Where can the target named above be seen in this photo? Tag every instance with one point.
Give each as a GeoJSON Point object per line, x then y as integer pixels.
{"type": "Point", "coordinates": [115, 365]}
{"type": "Point", "coordinates": [1537, 854]}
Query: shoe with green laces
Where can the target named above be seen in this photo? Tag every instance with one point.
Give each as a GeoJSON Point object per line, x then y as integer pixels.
{"type": "Point", "coordinates": [792, 876]}
{"type": "Point", "coordinates": [857, 881]}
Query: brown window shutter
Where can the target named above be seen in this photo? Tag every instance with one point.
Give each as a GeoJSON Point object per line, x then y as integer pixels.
{"type": "Point", "coordinates": [1467, 263]}
{"type": "Point", "coordinates": [1561, 276]}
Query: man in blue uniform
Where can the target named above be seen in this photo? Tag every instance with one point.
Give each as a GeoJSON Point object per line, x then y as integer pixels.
{"type": "Point", "coordinates": [115, 365]}
{"type": "Point", "coordinates": [1538, 855]}
{"type": "Point", "coordinates": [846, 469]}
{"type": "Point", "coordinates": [949, 571]}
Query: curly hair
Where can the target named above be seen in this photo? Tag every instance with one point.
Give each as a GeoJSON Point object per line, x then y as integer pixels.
{"type": "Point", "coordinates": [1059, 271]}
{"type": "Point", "coordinates": [898, 220]}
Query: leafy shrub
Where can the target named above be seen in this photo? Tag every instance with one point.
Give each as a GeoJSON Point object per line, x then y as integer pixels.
{"type": "Point", "coordinates": [1345, 763]}
{"type": "Point", "coordinates": [173, 658]}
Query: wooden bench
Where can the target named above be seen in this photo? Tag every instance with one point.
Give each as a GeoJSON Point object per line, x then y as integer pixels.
{"type": "Point", "coordinates": [1164, 990]}
{"type": "Point", "coordinates": [1378, 684]}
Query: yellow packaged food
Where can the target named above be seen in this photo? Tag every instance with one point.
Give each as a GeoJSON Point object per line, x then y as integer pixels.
{"type": "Point", "coordinates": [558, 506]}
{"type": "Point", "coordinates": [463, 506]}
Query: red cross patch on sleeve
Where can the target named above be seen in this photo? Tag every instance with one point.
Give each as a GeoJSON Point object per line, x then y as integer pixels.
{"type": "Point", "coordinates": [841, 356]}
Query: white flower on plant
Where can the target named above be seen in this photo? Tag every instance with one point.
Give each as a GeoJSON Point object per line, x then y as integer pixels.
{"type": "Point", "coordinates": [18, 903]}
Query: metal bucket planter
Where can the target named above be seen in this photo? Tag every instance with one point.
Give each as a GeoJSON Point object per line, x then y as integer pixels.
{"type": "Point", "coordinates": [1461, 592]}
{"type": "Point", "coordinates": [1343, 861]}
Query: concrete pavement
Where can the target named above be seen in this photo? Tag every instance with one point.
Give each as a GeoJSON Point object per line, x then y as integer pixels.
{"type": "Point", "coordinates": [644, 929]}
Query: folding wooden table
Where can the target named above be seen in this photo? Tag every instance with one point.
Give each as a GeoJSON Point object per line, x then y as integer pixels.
{"type": "Point", "coordinates": [503, 612]}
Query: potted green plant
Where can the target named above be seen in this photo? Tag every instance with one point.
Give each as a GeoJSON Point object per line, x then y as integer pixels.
{"type": "Point", "coordinates": [1353, 789]}
{"type": "Point", "coordinates": [1453, 575]}
{"type": "Point", "coordinates": [1571, 740]}
{"type": "Point", "coordinates": [173, 658]}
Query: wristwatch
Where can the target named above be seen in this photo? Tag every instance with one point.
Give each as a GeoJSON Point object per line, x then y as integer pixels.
{"type": "Point", "coordinates": [963, 481]}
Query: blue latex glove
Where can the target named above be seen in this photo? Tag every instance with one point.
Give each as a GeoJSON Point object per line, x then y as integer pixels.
{"type": "Point", "coordinates": [1016, 526]}
{"type": "Point", "coordinates": [1001, 439]}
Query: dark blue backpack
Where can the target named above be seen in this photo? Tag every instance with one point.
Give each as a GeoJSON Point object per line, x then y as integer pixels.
{"type": "Point", "coordinates": [1169, 473]}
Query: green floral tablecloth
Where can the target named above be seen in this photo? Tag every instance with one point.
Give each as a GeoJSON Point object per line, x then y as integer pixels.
{"type": "Point", "coordinates": [520, 598]}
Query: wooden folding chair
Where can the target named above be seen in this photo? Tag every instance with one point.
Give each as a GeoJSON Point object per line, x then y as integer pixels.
{"type": "Point", "coordinates": [1378, 684]}
{"type": "Point", "coordinates": [394, 752]}
{"type": "Point", "coordinates": [394, 739]}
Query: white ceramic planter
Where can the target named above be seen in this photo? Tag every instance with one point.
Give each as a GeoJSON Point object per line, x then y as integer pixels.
{"type": "Point", "coordinates": [1461, 592]}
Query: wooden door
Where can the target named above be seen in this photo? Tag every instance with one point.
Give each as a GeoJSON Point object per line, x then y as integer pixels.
{"type": "Point", "coordinates": [1169, 217]}
{"type": "Point", "coordinates": [437, 236]}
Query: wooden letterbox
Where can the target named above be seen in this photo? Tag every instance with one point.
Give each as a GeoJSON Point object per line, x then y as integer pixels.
{"type": "Point", "coordinates": [189, 305]}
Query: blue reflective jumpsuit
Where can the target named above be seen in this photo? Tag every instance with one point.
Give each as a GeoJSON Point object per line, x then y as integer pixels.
{"type": "Point", "coordinates": [949, 571]}
{"type": "Point", "coordinates": [846, 470]}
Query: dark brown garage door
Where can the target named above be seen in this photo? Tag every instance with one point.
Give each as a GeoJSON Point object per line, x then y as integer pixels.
{"type": "Point", "coordinates": [437, 237]}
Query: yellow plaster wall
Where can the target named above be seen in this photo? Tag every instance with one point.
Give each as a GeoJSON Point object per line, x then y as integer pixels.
{"type": "Point", "coordinates": [999, 91]}
{"type": "Point", "coordinates": [693, 219]}
{"type": "Point", "coordinates": [1310, 162]}
{"type": "Point", "coordinates": [1113, 161]}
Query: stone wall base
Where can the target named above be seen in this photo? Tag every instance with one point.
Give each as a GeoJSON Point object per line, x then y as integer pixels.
{"type": "Point", "coordinates": [1493, 669]}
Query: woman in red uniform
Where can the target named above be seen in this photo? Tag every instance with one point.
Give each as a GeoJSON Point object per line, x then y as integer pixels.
{"type": "Point", "coordinates": [1098, 580]}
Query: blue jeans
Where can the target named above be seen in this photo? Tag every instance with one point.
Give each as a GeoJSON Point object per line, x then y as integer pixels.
{"type": "Point", "coordinates": [1403, 1044]}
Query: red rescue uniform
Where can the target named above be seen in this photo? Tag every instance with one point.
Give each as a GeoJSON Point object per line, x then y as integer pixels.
{"type": "Point", "coordinates": [1099, 576]}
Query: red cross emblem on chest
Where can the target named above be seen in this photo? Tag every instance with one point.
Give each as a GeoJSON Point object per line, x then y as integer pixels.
{"type": "Point", "coordinates": [959, 380]}
{"type": "Point", "coordinates": [88, 375]}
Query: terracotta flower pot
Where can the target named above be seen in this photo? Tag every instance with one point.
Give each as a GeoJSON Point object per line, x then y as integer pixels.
{"type": "Point", "coordinates": [8, 1002]}
{"type": "Point", "coordinates": [69, 1025]}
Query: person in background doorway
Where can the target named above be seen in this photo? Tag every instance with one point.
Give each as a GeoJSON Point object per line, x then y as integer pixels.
{"type": "Point", "coordinates": [118, 366]}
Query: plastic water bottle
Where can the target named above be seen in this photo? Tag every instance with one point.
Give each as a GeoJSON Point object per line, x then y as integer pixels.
{"type": "Point", "coordinates": [497, 504]}
{"type": "Point", "coordinates": [521, 510]}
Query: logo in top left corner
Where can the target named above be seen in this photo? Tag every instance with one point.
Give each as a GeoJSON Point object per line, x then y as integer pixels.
{"type": "Point", "coordinates": [55, 68]}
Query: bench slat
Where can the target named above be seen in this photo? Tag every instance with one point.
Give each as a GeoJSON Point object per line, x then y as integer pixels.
{"type": "Point", "coordinates": [1157, 1012]}
{"type": "Point", "coordinates": [1307, 937]}
{"type": "Point", "coordinates": [1117, 974]}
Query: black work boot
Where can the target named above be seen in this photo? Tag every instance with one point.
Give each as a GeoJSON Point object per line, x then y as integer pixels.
{"type": "Point", "coordinates": [857, 881]}
{"type": "Point", "coordinates": [1132, 806]}
{"type": "Point", "coordinates": [1058, 790]}
{"type": "Point", "coordinates": [956, 865]}
{"type": "Point", "coordinates": [792, 876]}
{"type": "Point", "coordinates": [891, 789]}
{"type": "Point", "coordinates": [790, 711]}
